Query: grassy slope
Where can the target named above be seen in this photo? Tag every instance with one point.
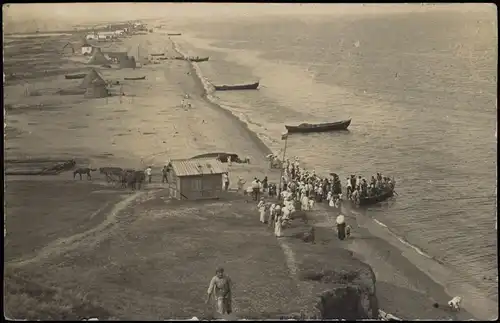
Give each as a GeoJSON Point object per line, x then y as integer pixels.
{"type": "Point", "coordinates": [156, 264]}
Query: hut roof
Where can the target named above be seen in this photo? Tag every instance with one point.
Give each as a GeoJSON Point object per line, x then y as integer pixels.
{"type": "Point", "coordinates": [97, 57]}
{"type": "Point", "coordinates": [91, 76]}
{"type": "Point", "coordinates": [200, 166]}
{"type": "Point", "coordinates": [98, 82]}
{"type": "Point", "coordinates": [97, 89]}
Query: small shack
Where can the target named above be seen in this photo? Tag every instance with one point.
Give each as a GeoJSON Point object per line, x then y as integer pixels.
{"type": "Point", "coordinates": [196, 179]}
{"type": "Point", "coordinates": [98, 57]}
{"type": "Point", "coordinates": [87, 80]}
{"type": "Point", "coordinates": [127, 62]}
{"type": "Point", "coordinates": [97, 89]}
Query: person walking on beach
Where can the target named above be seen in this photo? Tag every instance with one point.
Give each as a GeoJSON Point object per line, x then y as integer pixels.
{"type": "Point", "coordinates": [148, 172]}
{"type": "Point", "coordinates": [225, 181]}
{"type": "Point", "coordinates": [220, 287]}
{"type": "Point", "coordinates": [240, 184]}
{"type": "Point", "coordinates": [164, 173]}
{"type": "Point", "coordinates": [262, 210]}
{"type": "Point", "coordinates": [255, 189]}
{"type": "Point", "coordinates": [341, 227]}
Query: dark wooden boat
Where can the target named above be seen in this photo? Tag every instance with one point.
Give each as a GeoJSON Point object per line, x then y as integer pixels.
{"type": "Point", "coordinates": [319, 127]}
{"type": "Point", "coordinates": [198, 59]}
{"type": "Point", "coordinates": [74, 76]}
{"type": "Point", "coordinates": [173, 34]}
{"type": "Point", "coordinates": [364, 201]}
{"type": "Point", "coordinates": [135, 78]}
{"type": "Point", "coordinates": [251, 86]}
{"type": "Point", "coordinates": [159, 54]}
{"type": "Point", "coordinates": [71, 91]}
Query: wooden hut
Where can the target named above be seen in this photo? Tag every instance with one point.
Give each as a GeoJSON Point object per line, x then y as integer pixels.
{"type": "Point", "coordinates": [97, 89]}
{"type": "Point", "coordinates": [196, 179]}
{"type": "Point", "coordinates": [87, 80]}
{"type": "Point", "coordinates": [98, 57]}
{"type": "Point", "coordinates": [127, 62]}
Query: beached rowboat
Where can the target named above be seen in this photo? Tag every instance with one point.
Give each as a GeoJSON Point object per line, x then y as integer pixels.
{"type": "Point", "coordinates": [251, 86]}
{"type": "Point", "coordinates": [319, 127]}
{"type": "Point", "coordinates": [135, 78]}
{"type": "Point", "coordinates": [74, 76]}
{"type": "Point", "coordinates": [159, 54]}
{"type": "Point", "coordinates": [198, 59]}
{"type": "Point", "coordinates": [364, 201]}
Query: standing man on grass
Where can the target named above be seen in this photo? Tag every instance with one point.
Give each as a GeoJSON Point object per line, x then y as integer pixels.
{"type": "Point", "coordinates": [220, 287]}
{"type": "Point", "coordinates": [148, 173]}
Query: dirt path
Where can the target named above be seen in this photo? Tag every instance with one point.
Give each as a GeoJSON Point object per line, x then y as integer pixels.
{"type": "Point", "coordinates": [81, 240]}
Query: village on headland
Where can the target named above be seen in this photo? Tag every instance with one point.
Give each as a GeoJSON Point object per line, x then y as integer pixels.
{"type": "Point", "coordinates": [159, 231]}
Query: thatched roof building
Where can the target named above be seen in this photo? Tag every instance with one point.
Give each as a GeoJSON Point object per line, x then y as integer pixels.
{"type": "Point", "coordinates": [97, 89]}
{"type": "Point", "coordinates": [87, 80]}
{"type": "Point", "coordinates": [128, 62]}
{"type": "Point", "coordinates": [115, 56]}
{"type": "Point", "coordinates": [97, 57]}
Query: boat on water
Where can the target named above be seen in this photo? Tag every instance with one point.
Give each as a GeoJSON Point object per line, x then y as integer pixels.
{"type": "Point", "coordinates": [158, 54]}
{"type": "Point", "coordinates": [319, 127]}
{"type": "Point", "coordinates": [135, 78]}
{"type": "Point", "coordinates": [74, 76]}
{"type": "Point", "coordinates": [198, 59]}
{"type": "Point", "coordinates": [364, 201]}
{"type": "Point", "coordinates": [251, 86]}
{"type": "Point", "coordinates": [173, 34]}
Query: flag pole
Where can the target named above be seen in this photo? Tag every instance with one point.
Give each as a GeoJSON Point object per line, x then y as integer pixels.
{"type": "Point", "coordinates": [285, 135]}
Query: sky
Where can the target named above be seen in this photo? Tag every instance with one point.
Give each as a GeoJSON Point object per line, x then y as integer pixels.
{"type": "Point", "coordinates": [57, 14]}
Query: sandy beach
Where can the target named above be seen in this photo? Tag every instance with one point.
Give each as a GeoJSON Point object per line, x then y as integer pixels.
{"type": "Point", "coordinates": [148, 126]}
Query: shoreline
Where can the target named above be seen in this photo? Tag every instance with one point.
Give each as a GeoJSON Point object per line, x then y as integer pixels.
{"type": "Point", "coordinates": [198, 78]}
{"type": "Point", "coordinates": [435, 273]}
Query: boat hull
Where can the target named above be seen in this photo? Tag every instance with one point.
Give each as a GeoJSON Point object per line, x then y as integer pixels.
{"type": "Point", "coordinates": [74, 76]}
{"type": "Point", "coordinates": [135, 78]}
{"type": "Point", "coordinates": [252, 86]}
{"type": "Point", "coordinates": [197, 60]}
{"type": "Point", "coordinates": [365, 201]}
{"type": "Point", "coordinates": [324, 127]}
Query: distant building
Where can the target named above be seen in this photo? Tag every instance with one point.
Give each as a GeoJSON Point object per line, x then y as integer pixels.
{"type": "Point", "coordinates": [196, 179]}
{"type": "Point", "coordinates": [91, 36]}
{"type": "Point", "coordinates": [68, 48]}
{"type": "Point", "coordinates": [86, 49]}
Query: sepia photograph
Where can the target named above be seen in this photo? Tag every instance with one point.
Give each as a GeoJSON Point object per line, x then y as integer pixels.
{"type": "Point", "coordinates": [250, 161]}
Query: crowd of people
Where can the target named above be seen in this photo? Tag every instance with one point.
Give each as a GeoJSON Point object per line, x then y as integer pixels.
{"type": "Point", "coordinates": [299, 190]}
